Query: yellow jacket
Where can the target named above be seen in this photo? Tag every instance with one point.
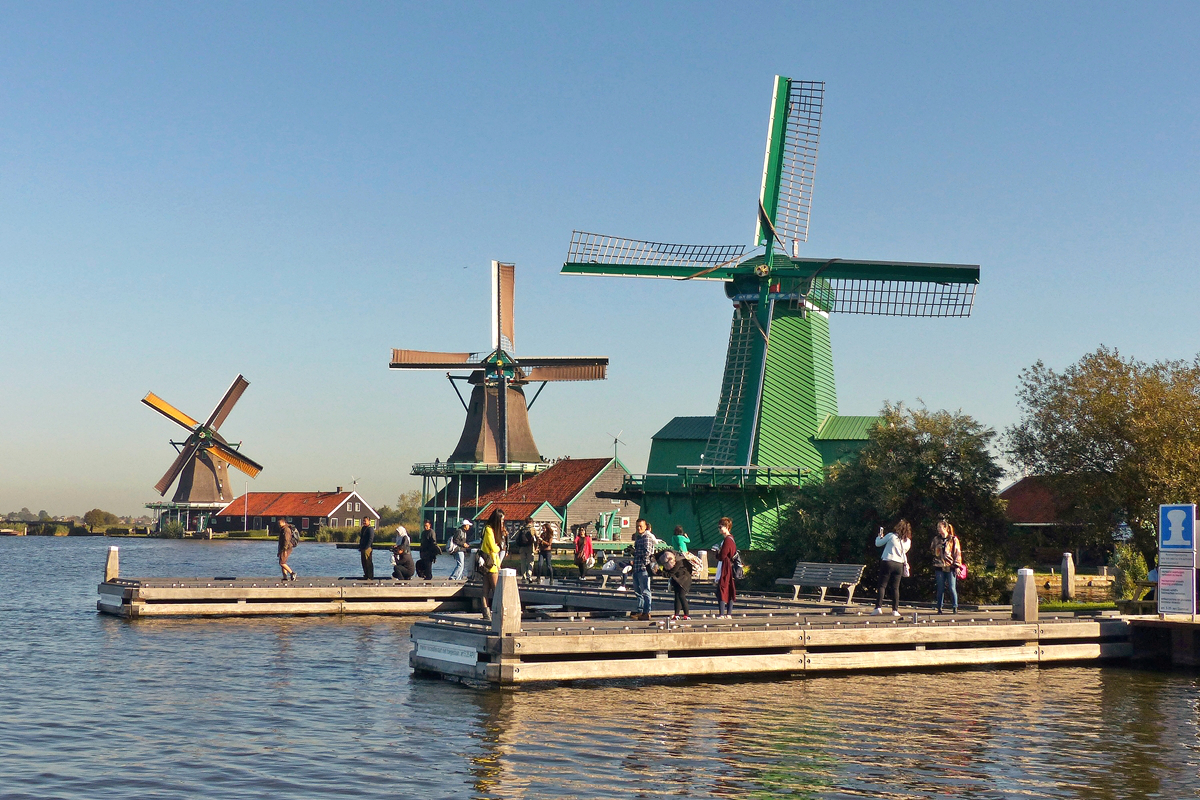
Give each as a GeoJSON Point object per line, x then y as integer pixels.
{"type": "Point", "coordinates": [489, 547]}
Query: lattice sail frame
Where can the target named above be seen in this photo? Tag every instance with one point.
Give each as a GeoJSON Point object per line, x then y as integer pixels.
{"type": "Point", "coordinates": [892, 298]}
{"type": "Point", "coordinates": [597, 248]}
{"type": "Point", "coordinates": [797, 163]}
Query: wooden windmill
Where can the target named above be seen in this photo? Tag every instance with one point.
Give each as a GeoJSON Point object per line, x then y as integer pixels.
{"type": "Point", "coordinates": [778, 384]}
{"type": "Point", "coordinates": [777, 390]}
{"type": "Point", "coordinates": [497, 426]}
{"type": "Point", "coordinates": [201, 465]}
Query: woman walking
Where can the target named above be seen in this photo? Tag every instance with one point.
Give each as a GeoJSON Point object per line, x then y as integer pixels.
{"type": "Point", "coordinates": [460, 548]}
{"type": "Point", "coordinates": [288, 539]}
{"type": "Point", "coordinates": [545, 543]}
{"type": "Point", "coordinates": [726, 590]}
{"type": "Point", "coordinates": [894, 563]}
{"type": "Point", "coordinates": [947, 560]}
{"type": "Point", "coordinates": [583, 550]}
{"type": "Point", "coordinates": [489, 555]}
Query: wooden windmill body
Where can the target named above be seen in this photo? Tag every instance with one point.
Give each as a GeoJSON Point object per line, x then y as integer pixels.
{"type": "Point", "coordinates": [777, 390]}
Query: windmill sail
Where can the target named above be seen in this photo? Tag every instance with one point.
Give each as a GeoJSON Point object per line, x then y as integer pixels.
{"type": "Point", "coordinates": [597, 254]}
{"type": "Point", "coordinates": [503, 289]}
{"type": "Point", "coordinates": [791, 160]}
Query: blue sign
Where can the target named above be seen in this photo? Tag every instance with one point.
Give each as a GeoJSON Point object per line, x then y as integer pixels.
{"type": "Point", "coordinates": [1177, 527]}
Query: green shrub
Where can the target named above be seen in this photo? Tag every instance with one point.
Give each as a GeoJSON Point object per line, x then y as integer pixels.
{"type": "Point", "coordinates": [171, 529]}
{"type": "Point", "coordinates": [1128, 568]}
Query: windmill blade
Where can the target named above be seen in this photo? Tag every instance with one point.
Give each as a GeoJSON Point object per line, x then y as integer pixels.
{"type": "Point", "coordinates": [169, 411]}
{"type": "Point", "coordinates": [227, 403]}
{"type": "Point", "coordinates": [790, 163]}
{"type": "Point", "coordinates": [431, 359]}
{"type": "Point", "coordinates": [554, 368]}
{"type": "Point", "coordinates": [597, 254]}
{"type": "Point", "coordinates": [185, 455]}
{"type": "Point", "coordinates": [892, 288]}
{"type": "Point", "coordinates": [234, 458]}
{"type": "Point", "coordinates": [580, 372]}
{"type": "Point", "coordinates": [503, 288]}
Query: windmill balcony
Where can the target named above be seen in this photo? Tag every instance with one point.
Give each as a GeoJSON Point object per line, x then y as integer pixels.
{"type": "Point", "coordinates": [717, 478]}
{"type": "Point", "coordinates": [447, 469]}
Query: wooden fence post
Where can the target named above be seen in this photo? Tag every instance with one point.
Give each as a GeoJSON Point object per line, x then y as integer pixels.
{"type": "Point", "coordinates": [112, 568]}
{"type": "Point", "coordinates": [506, 604]}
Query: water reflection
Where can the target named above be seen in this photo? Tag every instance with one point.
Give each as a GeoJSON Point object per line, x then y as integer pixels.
{"type": "Point", "coordinates": [317, 707]}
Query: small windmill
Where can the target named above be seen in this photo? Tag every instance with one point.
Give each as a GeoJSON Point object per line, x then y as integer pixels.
{"type": "Point", "coordinates": [777, 388]}
{"type": "Point", "coordinates": [497, 426]}
{"type": "Point", "coordinates": [203, 456]}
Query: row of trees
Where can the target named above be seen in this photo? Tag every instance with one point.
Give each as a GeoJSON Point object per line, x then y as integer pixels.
{"type": "Point", "coordinates": [1115, 437]}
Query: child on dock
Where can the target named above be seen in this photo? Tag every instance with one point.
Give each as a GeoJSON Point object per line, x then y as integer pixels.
{"type": "Point", "coordinates": [893, 563]}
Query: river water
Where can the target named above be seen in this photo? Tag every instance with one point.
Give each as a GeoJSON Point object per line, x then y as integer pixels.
{"type": "Point", "coordinates": [95, 707]}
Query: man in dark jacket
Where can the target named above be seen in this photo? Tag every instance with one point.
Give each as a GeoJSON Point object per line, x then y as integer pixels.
{"type": "Point", "coordinates": [366, 540]}
{"type": "Point", "coordinates": [429, 552]}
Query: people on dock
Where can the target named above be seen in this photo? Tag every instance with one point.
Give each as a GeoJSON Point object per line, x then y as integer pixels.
{"type": "Point", "coordinates": [893, 564]}
{"type": "Point", "coordinates": [366, 541]}
{"type": "Point", "coordinates": [429, 552]}
{"type": "Point", "coordinates": [289, 537]}
{"type": "Point", "coordinates": [947, 560]}
{"type": "Point", "coordinates": [402, 561]}
{"type": "Point", "coordinates": [489, 558]}
{"type": "Point", "coordinates": [727, 555]}
{"type": "Point", "coordinates": [584, 553]}
{"type": "Point", "coordinates": [526, 545]}
{"type": "Point", "coordinates": [460, 549]}
{"type": "Point", "coordinates": [678, 568]}
{"type": "Point", "coordinates": [679, 541]}
{"type": "Point", "coordinates": [545, 548]}
{"type": "Point", "coordinates": [643, 554]}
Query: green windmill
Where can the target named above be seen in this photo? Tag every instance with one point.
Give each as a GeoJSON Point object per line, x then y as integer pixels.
{"type": "Point", "coordinates": [776, 421]}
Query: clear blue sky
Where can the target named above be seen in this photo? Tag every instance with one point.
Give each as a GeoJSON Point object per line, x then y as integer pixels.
{"type": "Point", "coordinates": [190, 191]}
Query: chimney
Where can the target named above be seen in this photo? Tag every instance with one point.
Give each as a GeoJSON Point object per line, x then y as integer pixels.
{"type": "Point", "coordinates": [339, 490]}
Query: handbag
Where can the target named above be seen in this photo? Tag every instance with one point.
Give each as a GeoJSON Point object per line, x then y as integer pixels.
{"type": "Point", "coordinates": [961, 572]}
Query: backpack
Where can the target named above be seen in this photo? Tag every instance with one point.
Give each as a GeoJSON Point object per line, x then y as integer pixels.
{"type": "Point", "coordinates": [739, 569]}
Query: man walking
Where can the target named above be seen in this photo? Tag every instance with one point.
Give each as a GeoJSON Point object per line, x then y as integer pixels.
{"type": "Point", "coordinates": [366, 540]}
{"type": "Point", "coordinates": [459, 548]}
{"type": "Point", "coordinates": [643, 553]}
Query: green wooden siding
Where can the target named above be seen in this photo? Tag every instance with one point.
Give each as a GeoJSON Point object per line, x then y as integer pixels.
{"type": "Point", "coordinates": [798, 390]}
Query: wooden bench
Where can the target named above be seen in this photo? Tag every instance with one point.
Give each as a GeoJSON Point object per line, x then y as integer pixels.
{"type": "Point", "coordinates": [1139, 605]}
{"type": "Point", "coordinates": [824, 576]}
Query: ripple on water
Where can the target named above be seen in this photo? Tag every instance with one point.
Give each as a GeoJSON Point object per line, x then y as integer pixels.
{"type": "Point", "coordinates": [94, 707]}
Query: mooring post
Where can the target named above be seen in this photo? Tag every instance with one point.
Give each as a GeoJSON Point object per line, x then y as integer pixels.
{"type": "Point", "coordinates": [112, 567]}
{"type": "Point", "coordinates": [506, 604]}
{"type": "Point", "coordinates": [1024, 597]}
{"type": "Point", "coordinates": [1068, 577]}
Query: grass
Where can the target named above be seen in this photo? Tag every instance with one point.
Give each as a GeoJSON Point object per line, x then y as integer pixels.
{"type": "Point", "coordinates": [1059, 605]}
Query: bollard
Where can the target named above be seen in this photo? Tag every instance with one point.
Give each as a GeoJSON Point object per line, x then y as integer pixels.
{"type": "Point", "coordinates": [506, 603]}
{"type": "Point", "coordinates": [1024, 597]}
{"type": "Point", "coordinates": [112, 566]}
{"type": "Point", "coordinates": [1068, 577]}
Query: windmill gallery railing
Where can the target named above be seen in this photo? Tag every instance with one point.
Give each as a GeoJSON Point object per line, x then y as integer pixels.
{"type": "Point", "coordinates": [736, 479]}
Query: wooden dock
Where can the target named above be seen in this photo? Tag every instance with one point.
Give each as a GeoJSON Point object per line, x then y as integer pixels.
{"type": "Point", "coordinates": [779, 638]}
{"type": "Point", "coordinates": [133, 598]}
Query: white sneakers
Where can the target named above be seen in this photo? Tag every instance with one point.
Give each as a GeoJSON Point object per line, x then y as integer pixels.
{"type": "Point", "coordinates": [877, 611]}
{"type": "Point", "coordinates": [895, 613]}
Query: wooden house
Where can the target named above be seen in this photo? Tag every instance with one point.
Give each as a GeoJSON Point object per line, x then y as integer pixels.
{"type": "Point", "coordinates": [305, 510]}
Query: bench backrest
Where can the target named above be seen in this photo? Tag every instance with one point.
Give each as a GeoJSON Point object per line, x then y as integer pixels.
{"type": "Point", "coordinates": [813, 574]}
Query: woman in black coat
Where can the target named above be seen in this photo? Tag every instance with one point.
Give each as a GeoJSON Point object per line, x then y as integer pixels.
{"type": "Point", "coordinates": [679, 570]}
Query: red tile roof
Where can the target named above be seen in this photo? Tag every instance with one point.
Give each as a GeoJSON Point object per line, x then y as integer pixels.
{"type": "Point", "coordinates": [557, 486]}
{"type": "Point", "coordinates": [1031, 501]}
{"type": "Point", "coordinates": [290, 504]}
{"type": "Point", "coordinates": [513, 512]}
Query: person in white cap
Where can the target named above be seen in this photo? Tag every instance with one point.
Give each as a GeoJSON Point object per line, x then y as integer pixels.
{"type": "Point", "coordinates": [460, 549]}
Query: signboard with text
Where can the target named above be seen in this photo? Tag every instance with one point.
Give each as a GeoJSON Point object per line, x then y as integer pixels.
{"type": "Point", "coordinates": [1177, 559]}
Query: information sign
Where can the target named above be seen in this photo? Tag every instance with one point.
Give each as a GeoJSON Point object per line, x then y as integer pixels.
{"type": "Point", "coordinates": [1177, 559]}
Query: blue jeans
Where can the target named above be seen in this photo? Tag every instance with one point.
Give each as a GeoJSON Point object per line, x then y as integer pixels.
{"type": "Point", "coordinates": [946, 579]}
{"type": "Point", "coordinates": [460, 565]}
{"type": "Point", "coordinates": [641, 587]}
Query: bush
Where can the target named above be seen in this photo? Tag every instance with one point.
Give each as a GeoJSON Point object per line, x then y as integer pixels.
{"type": "Point", "coordinates": [170, 529]}
{"type": "Point", "coordinates": [1129, 567]}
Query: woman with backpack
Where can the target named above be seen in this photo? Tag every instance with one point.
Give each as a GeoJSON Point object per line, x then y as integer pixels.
{"type": "Point", "coordinates": [726, 555]}
{"type": "Point", "coordinates": [947, 563]}
{"type": "Point", "coordinates": [289, 537]}
{"type": "Point", "coordinates": [893, 563]}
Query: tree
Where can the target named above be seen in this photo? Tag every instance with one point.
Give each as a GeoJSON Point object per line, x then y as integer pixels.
{"type": "Point", "coordinates": [98, 519]}
{"type": "Point", "coordinates": [917, 465]}
{"type": "Point", "coordinates": [44, 516]}
{"type": "Point", "coordinates": [407, 511]}
{"type": "Point", "coordinates": [1115, 437]}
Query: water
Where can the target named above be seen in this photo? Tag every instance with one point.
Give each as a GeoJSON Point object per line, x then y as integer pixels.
{"type": "Point", "coordinates": [95, 707]}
